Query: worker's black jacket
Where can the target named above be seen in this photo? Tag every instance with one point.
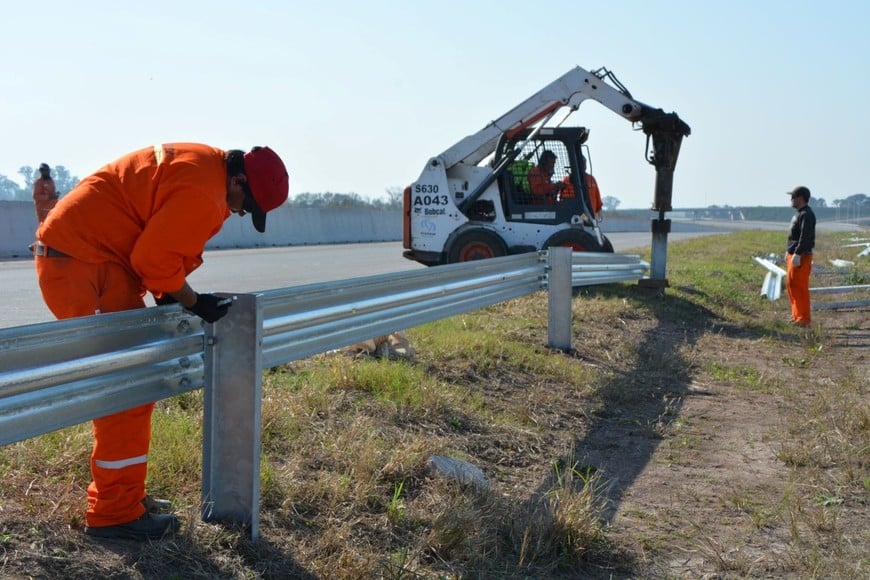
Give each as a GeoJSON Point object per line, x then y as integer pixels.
{"type": "Point", "coordinates": [802, 235]}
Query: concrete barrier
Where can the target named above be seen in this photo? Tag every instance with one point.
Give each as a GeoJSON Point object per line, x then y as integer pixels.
{"type": "Point", "coordinates": [286, 226]}
{"type": "Point", "coordinates": [289, 226]}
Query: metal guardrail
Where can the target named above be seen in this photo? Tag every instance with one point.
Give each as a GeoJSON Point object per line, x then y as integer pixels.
{"type": "Point", "coordinates": [771, 288]}
{"type": "Point", "coordinates": [57, 374]}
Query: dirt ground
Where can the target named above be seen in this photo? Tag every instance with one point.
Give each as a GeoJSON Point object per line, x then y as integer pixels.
{"type": "Point", "coordinates": [697, 487]}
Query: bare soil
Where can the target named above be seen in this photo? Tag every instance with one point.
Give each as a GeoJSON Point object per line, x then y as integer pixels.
{"type": "Point", "coordinates": [690, 462]}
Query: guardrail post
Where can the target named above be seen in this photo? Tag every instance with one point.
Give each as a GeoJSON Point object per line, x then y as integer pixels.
{"type": "Point", "coordinates": [232, 416]}
{"type": "Point", "coordinates": [659, 255]}
{"type": "Point", "coordinates": [559, 262]}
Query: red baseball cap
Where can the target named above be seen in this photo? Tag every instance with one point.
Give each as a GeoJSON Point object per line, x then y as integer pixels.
{"type": "Point", "coordinates": [268, 181]}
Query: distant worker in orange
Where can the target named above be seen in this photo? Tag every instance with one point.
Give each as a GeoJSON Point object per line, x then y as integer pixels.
{"type": "Point", "coordinates": [140, 224]}
{"type": "Point", "coordinates": [594, 194]}
{"type": "Point", "coordinates": [799, 256]}
{"type": "Point", "coordinates": [44, 193]}
{"type": "Point", "coordinates": [544, 191]}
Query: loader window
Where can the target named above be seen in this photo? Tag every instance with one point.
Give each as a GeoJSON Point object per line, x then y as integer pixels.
{"type": "Point", "coordinates": [528, 158]}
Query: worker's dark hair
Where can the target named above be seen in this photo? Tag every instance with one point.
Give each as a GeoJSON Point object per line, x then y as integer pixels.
{"type": "Point", "coordinates": [546, 156]}
{"type": "Point", "coordinates": [235, 162]}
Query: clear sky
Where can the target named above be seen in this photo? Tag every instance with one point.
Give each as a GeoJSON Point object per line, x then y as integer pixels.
{"type": "Point", "coordinates": [357, 95]}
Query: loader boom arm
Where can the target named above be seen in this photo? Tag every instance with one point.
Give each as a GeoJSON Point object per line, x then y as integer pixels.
{"type": "Point", "coordinates": [664, 130]}
{"type": "Point", "coordinates": [569, 90]}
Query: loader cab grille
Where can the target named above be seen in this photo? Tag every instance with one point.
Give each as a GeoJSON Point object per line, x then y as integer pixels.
{"type": "Point", "coordinates": [528, 194]}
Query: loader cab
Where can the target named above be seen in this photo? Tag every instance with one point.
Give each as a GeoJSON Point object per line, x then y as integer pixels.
{"type": "Point", "coordinates": [521, 204]}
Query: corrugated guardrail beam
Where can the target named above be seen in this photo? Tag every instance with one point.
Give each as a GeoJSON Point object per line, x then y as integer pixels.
{"type": "Point", "coordinates": [58, 374]}
{"type": "Point", "coordinates": [300, 322]}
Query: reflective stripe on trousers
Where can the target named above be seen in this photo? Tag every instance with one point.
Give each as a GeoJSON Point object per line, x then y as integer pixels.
{"type": "Point", "coordinates": [121, 463]}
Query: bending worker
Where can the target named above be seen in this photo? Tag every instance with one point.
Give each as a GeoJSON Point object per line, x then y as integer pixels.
{"type": "Point", "coordinates": [140, 224]}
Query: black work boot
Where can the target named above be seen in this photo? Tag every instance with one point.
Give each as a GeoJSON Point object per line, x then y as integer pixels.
{"type": "Point", "coordinates": [156, 506]}
{"type": "Point", "coordinates": [149, 526]}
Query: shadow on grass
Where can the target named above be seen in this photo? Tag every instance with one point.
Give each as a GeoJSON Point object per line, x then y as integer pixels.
{"type": "Point", "coordinates": [639, 403]}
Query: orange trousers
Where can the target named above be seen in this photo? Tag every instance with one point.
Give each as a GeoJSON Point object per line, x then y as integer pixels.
{"type": "Point", "coordinates": [119, 459]}
{"type": "Point", "coordinates": [797, 283]}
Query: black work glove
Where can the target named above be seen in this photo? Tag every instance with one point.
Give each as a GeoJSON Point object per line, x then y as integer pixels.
{"type": "Point", "coordinates": [209, 307]}
{"type": "Point", "coordinates": [165, 299]}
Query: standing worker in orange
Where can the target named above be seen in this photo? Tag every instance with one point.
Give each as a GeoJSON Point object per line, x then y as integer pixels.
{"type": "Point", "coordinates": [140, 224]}
{"type": "Point", "coordinates": [799, 256]}
{"type": "Point", "coordinates": [594, 193]}
{"type": "Point", "coordinates": [44, 193]}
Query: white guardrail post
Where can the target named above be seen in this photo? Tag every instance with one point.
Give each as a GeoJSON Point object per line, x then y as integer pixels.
{"type": "Point", "coordinates": [559, 267]}
{"type": "Point", "coordinates": [232, 417]}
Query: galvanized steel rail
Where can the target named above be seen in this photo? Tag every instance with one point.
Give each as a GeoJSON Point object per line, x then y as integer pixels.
{"type": "Point", "coordinates": [57, 374]}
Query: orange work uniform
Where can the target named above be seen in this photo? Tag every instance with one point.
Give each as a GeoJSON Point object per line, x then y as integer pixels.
{"type": "Point", "coordinates": [591, 186]}
{"type": "Point", "coordinates": [44, 197]}
{"type": "Point", "coordinates": [139, 223]}
{"type": "Point", "coordinates": [543, 190]}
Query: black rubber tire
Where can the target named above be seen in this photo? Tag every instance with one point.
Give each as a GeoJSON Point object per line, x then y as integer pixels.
{"type": "Point", "coordinates": [576, 239]}
{"type": "Point", "coordinates": [476, 244]}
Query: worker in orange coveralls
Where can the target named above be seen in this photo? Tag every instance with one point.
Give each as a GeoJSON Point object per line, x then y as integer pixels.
{"type": "Point", "coordinates": [44, 193]}
{"type": "Point", "coordinates": [799, 256]}
{"type": "Point", "coordinates": [541, 185]}
{"type": "Point", "coordinates": [594, 193]}
{"type": "Point", "coordinates": [141, 224]}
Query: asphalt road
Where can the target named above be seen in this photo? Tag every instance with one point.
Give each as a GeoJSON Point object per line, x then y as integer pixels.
{"type": "Point", "coordinates": [257, 269]}
{"type": "Point", "coordinates": [253, 270]}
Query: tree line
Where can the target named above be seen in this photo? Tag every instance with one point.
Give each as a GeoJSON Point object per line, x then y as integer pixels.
{"type": "Point", "coordinates": [854, 205]}
{"type": "Point", "coordinates": [10, 190]}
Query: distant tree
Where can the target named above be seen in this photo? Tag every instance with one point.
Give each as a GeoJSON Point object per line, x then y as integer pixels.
{"type": "Point", "coordinates": [64, 181]}
{"type": "Point", "coordinates": [10, 190]}
{"type": "Point", "coordinates": [348, 200]}
{"type": "Point", "coordinates": [853, 205]}
{"type": "Point", "coordinates": [29, 174]}
{"type": "Point", "coordinates": [610, 203]}
{"type": "Point", "coordinates": [820, 202]}
{"type": "Point", "coordinates": [395, 197]}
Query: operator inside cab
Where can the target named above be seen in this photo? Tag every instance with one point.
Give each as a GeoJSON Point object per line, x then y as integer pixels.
{"type": "Point", "coordinates": [543, 190]}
